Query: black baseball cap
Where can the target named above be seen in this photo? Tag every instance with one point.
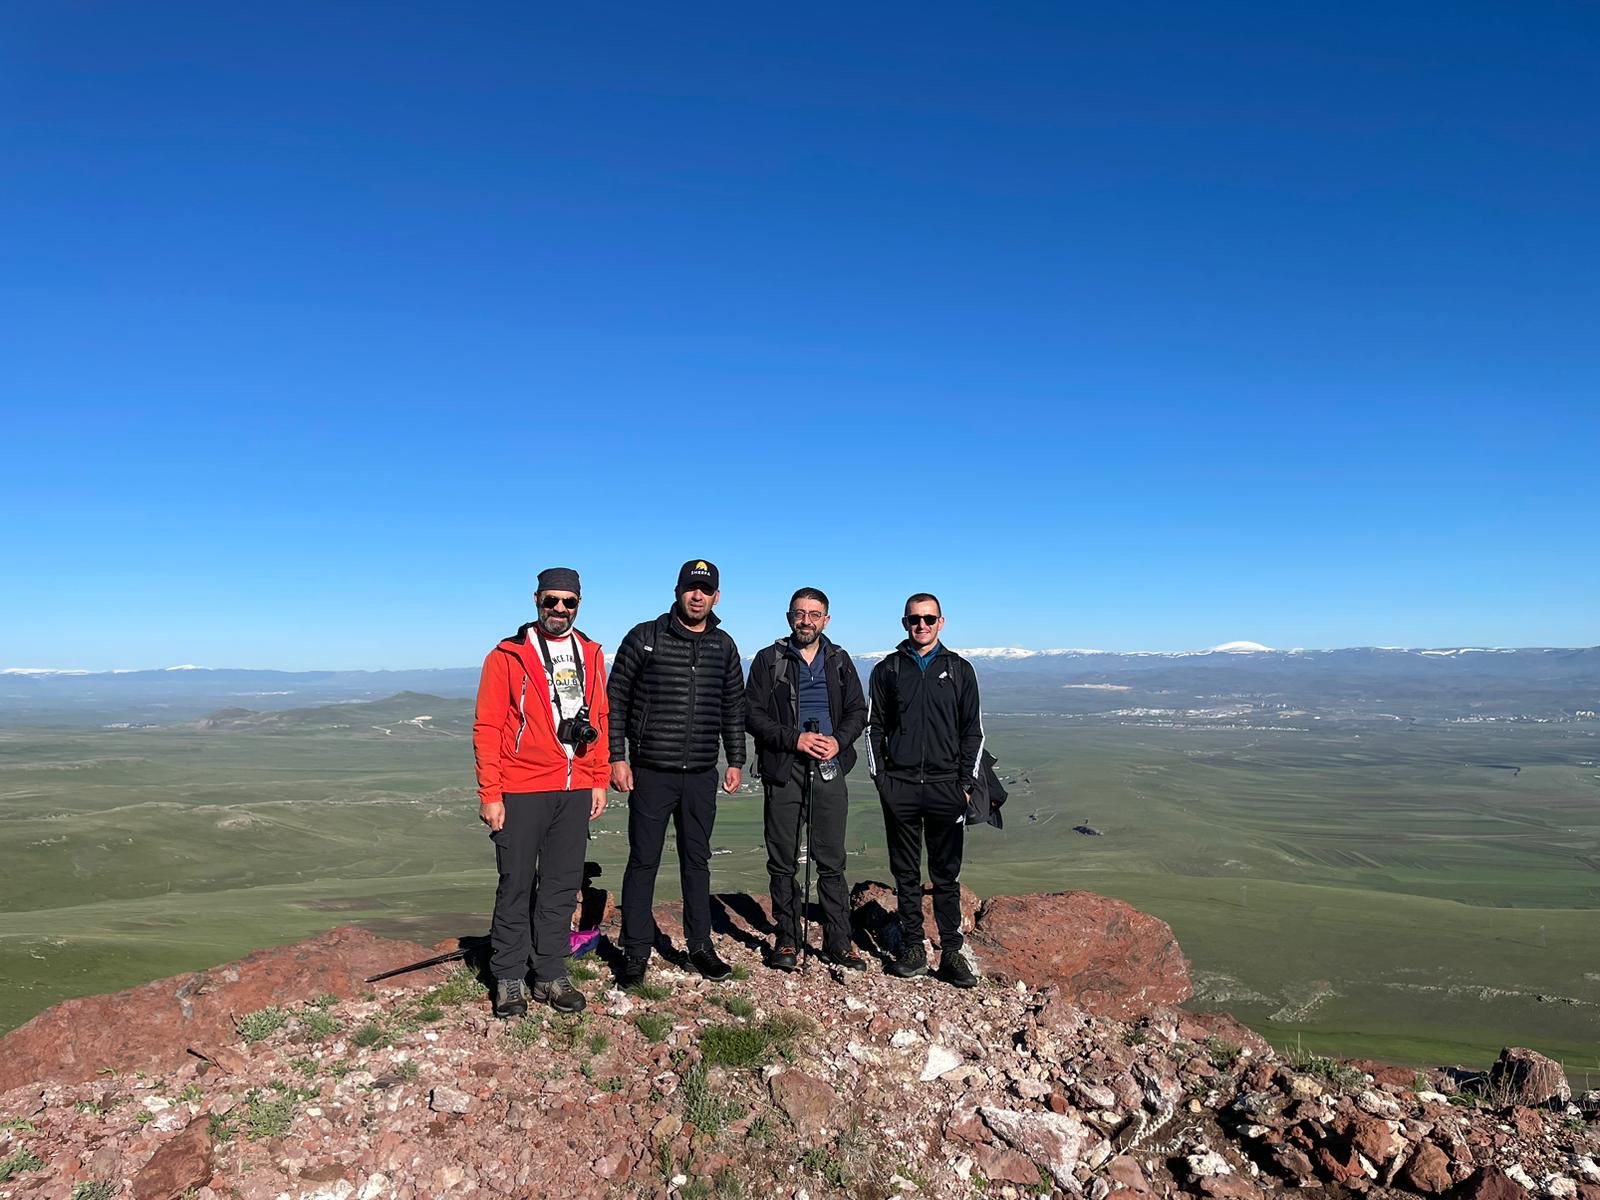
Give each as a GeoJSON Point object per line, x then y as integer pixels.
{"type": "Point", "coordinates": [698, 573]}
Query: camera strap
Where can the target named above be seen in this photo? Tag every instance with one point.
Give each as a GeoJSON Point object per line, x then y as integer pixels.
{"type": "Point", "coordinates": [550, 669]}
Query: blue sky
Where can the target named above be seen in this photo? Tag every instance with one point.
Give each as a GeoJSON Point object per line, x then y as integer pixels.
{"type": "Point", "coordinates": [1151, 326]}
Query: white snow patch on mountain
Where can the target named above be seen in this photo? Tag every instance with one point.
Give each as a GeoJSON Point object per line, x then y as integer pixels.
{"type": "Point", "coordinates": [1241, 648]}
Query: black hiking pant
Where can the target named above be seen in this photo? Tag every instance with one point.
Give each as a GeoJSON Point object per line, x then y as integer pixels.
{"type": "Point", "coordinates": [688, 799]}
{"type": "Point", "coordinates": [782, 816]}
{"type": "Point", "coordinates": [937, 811]}
{"type": "Point", "coordinates": [539, 852]}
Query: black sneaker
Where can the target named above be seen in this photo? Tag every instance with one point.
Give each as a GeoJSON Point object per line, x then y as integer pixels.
{"type": "Point", "coordinates": [631, 972]}
{"type": "Point", "coordinates": [953, 970]}
{"type": "Point", "coordinates": [510, 998]}
{"type": "Point", "coordinates": [784, 957]}
{"type": "Point", "coordinates": [709, 965]}
{"type": "Point", "coordinates": [846, 958]}
{"type": "Point", "coordinates": [559, 994]}
{"type": "Point", "coordinates": [911, 961]}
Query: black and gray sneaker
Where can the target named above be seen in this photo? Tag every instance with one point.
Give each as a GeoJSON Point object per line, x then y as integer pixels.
{"type": "Point", "coordinates": [510, 998]}
{"type": "Point", "coordinates": [953, 969]}
{"type": "Point", "coordinates": [709, 965]}
{"type": "Point", "coordinates": [911, 961]}
{"type": "Point", "coordinates": [559, 994]}
{"type": "Point", "coordinates": [631, 972]}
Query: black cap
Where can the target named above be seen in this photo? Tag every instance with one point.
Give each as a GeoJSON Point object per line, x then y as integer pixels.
{"type": "Point", "coordinates": [698, 573]}
{"type": "Point", "coordinates": [559, 579]}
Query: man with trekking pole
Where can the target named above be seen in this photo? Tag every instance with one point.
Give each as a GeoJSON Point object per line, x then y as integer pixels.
{"type": "Point", "coordinates": [805, 710]}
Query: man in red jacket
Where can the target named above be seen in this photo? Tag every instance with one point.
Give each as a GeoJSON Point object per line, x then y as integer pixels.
{"type": "Point", "coordinates": [542, 748]}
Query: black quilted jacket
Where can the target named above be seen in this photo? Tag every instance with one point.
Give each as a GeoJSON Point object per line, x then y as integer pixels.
{"type": "Point", "coordinates": [674, 694]}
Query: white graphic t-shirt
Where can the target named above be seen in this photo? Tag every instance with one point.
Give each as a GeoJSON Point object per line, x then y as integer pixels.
{"type": "Point", "coordinates": [566, 694]}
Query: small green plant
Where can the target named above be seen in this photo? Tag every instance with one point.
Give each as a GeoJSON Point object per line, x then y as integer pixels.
{"type": "Point", "coordinates": [271, 1117]}
{"type": "Point", "coordinates": [408, 1071]}
{"type": "Point", "coordinates": [1222, 1055]}
{"type": "Point", "coordinates": [611, 1083]}
{"type": "Point", "coordinates": [741, 972]}
{"type": "Point", "coordinates": [1419, 1082]}
{"type": "Point", "coordinates": [650, 991]}
{"type": "Point", "coordinates": [582, 972]}
{"type": "Point", "coordinates": [371, 1034]}
{"type": "Point", "coordinates": [191, 1093]}
{"type": "Point", "coordinates": [527, 1032]}
{"type": "Point", "coordinates": [461, 986]}
{"type": "Point", "coordinates": [567, 1033]}
{"type": "Point", "coordinates": [761, 1131]}
{"type": "Point", "coordinates": [739, 1006]}
{"type": "Point", "coordinates": [305, 1066]}
{"type": "Point", "coordinates": [18, 1125]}
{"type": "Point", "coordinates": [599, 1040]}
{"type": "Point", "coordinates": [258, 1026]}
{"type": "Point", "coordinates": [751, 1045]}
{"type": "Point", "coordinates": [586, 1069]}
{"type": "Point", "coordinates": [144, 1116]}
{"type": "Point", "coordinates": [654, 1026]}
{"type": "Point", "coordinates": [665, 1163]}
{"type": "Point", "coordinates": [326, 1000]}
{"type": "Point", "coordinates": [340, 1069]}
{"type": "Point", "coordinates": [317, 1023]}
{"type": "Point", "coordinates": [1135, 1037]}
{"type": "Point", "coordinates": [101, 1189]}
{"type": "Point", "coordinates": [17, 1162]}
{"type": "Point", "coordinates": [724, 1185]}
{"type": "Point", "coordinates": [430, 1014]}
{"type": "Point", "coordinates": [221, 1127]}
{"type": "Point", "coordinates": [820, 1162]}
{"type": "Point", "coordinates": [1330, 1070]}
{"type": "Point", "coordinates": [707, 1113]}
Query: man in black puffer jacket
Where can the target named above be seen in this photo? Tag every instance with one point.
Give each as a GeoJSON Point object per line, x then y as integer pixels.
{"type": "Point", "coordinates": [676, 688]}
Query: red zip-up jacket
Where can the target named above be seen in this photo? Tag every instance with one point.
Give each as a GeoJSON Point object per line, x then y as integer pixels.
{"type": "Point", "coordinates": [514, 735]}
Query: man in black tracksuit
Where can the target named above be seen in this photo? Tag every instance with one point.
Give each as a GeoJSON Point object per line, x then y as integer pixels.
{"type": "Point", "coordinates": [676, 687]}
{"type": "Point", "coordinates": [925, 740]}
{"type": "Point", "coordinates": [797, 680]}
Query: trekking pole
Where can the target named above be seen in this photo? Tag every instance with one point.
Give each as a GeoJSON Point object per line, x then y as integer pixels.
{"type": "Point", "coordinates": [812, 726]}
{"type": "Point", "coordinates": [417, 966]}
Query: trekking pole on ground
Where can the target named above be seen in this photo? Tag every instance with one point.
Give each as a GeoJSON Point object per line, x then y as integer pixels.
{"type": "Point", "coordinates": [805, 826]}
{"type": "Point", "coordinates": [417, 966]}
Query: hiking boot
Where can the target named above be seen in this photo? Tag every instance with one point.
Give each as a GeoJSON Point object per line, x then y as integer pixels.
{"type": "Point", "coordinates": [845, 957]}
{"type": "Point", "coordinates": [631, 972]}
{"type": "Point", "coordinates": [559, 994]}
{"type": "Point", "coordinates": [784, 957]}
{"type": "Point", "coordinates": [911, 961]}
{"type": "Point", "coordinates": [953, 970]}
{"type": "Point", "coordinates": [510, 998]}
{"type": "Point", "coordinates": [709, 965]}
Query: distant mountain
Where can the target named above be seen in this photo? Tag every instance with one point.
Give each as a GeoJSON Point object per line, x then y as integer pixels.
{"type": "Point", "coordinates": [408, 714]}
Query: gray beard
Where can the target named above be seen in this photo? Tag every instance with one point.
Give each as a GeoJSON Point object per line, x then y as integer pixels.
{"type": "Point", "coordinates": [564, 621]}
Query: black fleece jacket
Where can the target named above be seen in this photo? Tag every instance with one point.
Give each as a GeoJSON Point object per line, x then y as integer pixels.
{"type": "Point", "coordinates": [774, 717]}
{"type": "Point", "coordinates": [673, 694]}
{"type": "Point", "coordinates": [925, 726]}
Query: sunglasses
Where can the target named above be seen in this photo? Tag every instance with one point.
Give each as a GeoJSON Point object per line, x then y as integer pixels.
{"type": "Point", "coordinates": [551, 603]}
{"type": "Point", "coordinates": [920, 619]}
{"type": "Point", "coordinates": [811, 618]}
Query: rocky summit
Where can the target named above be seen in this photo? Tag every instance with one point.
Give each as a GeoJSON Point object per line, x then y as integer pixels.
{"type": "Point", "coordinates": [1069, 1073]}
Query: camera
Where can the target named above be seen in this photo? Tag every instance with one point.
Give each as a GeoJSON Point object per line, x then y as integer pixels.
{"type": "Point", "coordinates": [576, 731]}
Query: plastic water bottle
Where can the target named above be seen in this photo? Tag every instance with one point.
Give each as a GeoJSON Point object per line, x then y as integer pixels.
{"type": "Point", "coordinates": [828, 768]}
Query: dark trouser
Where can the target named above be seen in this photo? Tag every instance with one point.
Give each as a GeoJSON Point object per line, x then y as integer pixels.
{"type": "Point", "coordinates": [689, 800]}
{"type": "Point", "coordinates": [782, 817]}
{"type": "Point", "coordinates": [539, 852]}
{"type": "Point", "coordinates": [938, 810]}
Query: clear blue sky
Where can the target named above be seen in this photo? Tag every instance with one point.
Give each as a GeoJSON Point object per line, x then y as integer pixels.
{"type": "Point", "coordinates": [1150, 326]}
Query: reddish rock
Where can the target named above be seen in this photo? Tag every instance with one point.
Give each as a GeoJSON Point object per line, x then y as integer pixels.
{"type": "Point", "coordinates": [1228, 1187]}
{"type": "Point", "coordinates": [966, 1126]}
{"type": "Point", "coordinates": [1107, 956]}
{"type": "Point", "coordinates": [874, 911]}
{"type": "Point", "coordinates": [1293, 1163]}
{"type": "Point", "coordinates": [1526, 1077]}
{"type": "Point", "coordinates": [1002, 1165]}
{"type": "Point", "coordinates": [1197, 1027]}
{"type": "Point", "coordinates": [150, 1027]}
{"type": "Point", "coordinates": [1428, 1171]}
{"type": "Point", "coordinates": [1491, 1183]}
{"type": "Point", "coordinates": [1125, 1174]}
{"type": "Point", "coordinates": [1527, 1122]}
{"type": "Point", "coordinates": [805, 1100]}
{"type": "Point", "coordinates": [182, 1164]}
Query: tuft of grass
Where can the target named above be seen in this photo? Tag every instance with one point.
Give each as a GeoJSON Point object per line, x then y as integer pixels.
{"type": "Point", "coordinates": [527, 1032]}
{"type": "Point", "coordinates": [101, 1189]}
{"type": "Point", "coordinates": [408, 1071]}
{"type": "Point", "coordinates": [371, 1034]}
{"type": "Point", "coordinates": [326, 1000]}
{"type": "Point", "coordinates": [18, 1125]}
{"type": "Point", "coordinates": [90, 1107]}
{"type": "Point", "coordinates": [306, 1066]}
{"type": "Point", "coordinates": [650, 991]}
{"type": "Point", "coordinates": [599, 1040]}
{"type": "Point", "coordinates": [582, 972]}
{"type": "Point", "coordinates": [741, 972]}
{"type": "Point", "coordinates": [586, 1069]}
{"type": "Point", "coordinates": [761, 1131]}
{"type": "Point", "coordinates": [611, 1083]}
{"type": "Point", "coordinates": [430, 1014]}
{"type": "Point", "coordinates": [1222, 1055]}
{"type": "Point", "coordinates": [750, 1045]}
{"type": "Point", "coordinates": [1330, 1070]}
{"type": "Point", "coordinates": [191, 1093]}
{"type": "Point", "coordinates": [724, 1185]}
{"type": "Point", "coordinates": [317, 1023]}
{"type": "Point", "coordinates": [257, 1026]}
{"type": "Point", "coordinates": [19, 1161]}
{"type": "Point", "coordinates": [707, 1113]}
{"type": "Point", "coordinates": [654, 1026]}
{"type": "Point", "coordinates": [144, 1117]}
{"type": "Point", "coordinates": [820, 1162]}
{"type": "Point", "coordinates": [461, 986]}
{"type": "Point", "coordinates": [263, 1116]}
{"type": "Point", "coordinates": [567, 1033]}
{"type": "Point", "coordinates": [739, 1006]}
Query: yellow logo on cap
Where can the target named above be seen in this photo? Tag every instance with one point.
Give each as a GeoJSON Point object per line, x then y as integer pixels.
{"type": "Point", "coordinates": [700, 566]}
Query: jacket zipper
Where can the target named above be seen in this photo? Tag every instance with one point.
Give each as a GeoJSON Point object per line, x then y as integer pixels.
{"type": "Point", "coordinates": [688, 725]}
{"type": "Point", "coordinates": [522, 710]}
